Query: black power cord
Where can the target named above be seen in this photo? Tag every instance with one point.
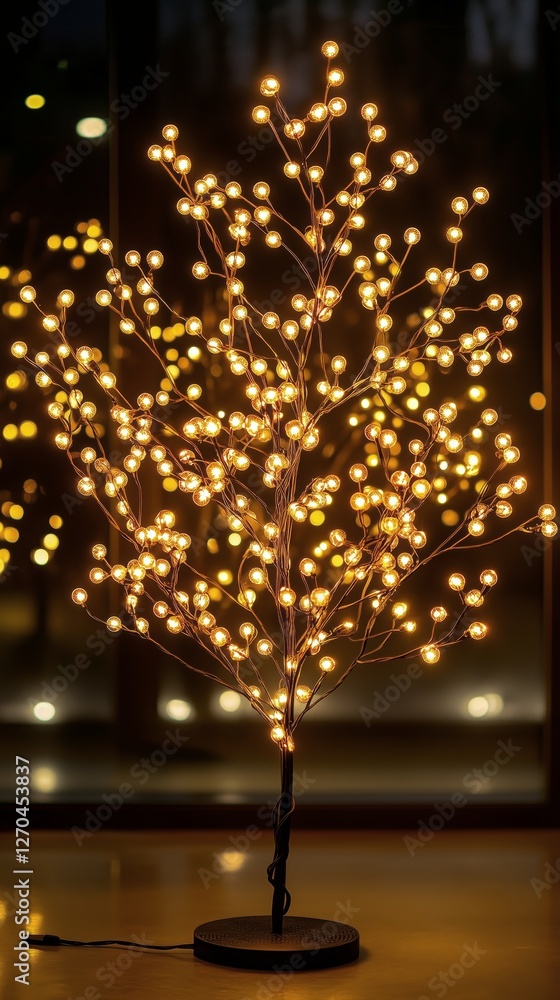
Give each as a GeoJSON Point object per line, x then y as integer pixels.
{"type": "Point", "coordinates": [52, 941]}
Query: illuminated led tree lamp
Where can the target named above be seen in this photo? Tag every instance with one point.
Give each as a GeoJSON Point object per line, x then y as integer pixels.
{"type": "Point", "coordinates": [284, 623]}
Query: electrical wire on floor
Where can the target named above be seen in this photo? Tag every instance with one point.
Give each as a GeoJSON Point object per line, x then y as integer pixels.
{"type": "Point", "coordinates": [53, 941]}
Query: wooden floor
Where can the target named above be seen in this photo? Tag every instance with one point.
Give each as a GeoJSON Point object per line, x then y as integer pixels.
{"type": "Point", "coordinates": [468, 914]}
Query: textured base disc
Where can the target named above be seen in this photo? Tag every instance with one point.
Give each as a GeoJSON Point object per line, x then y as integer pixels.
{"type": "Point", "coordinates": [248, 943]}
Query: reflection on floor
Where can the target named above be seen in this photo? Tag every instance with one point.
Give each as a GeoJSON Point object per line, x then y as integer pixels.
{"type": "Point", "coordinates": [477, 913]}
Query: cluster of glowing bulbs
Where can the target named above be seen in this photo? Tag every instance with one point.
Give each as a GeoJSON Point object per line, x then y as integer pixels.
{"type": "Point", "coordinates": [212, 457]}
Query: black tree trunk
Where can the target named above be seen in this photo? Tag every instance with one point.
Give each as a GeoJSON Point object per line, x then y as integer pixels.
{"type": "Point", "coordinates": [282, 814]}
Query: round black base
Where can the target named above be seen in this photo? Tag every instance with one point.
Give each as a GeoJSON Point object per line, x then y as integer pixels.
{"type": "Point", "coordinates": [248, 943]}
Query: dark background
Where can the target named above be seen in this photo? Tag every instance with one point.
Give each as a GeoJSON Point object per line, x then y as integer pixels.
{"type": "Point", "coordinates": [89, 59]}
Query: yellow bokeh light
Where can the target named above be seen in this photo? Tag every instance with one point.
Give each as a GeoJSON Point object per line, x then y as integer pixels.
{"type": "Point", "coordinates": [169, 484]}
{"type": "Point", "coordinates": [15, 310]}
{"type": "Point", "coordinates": [28, 429]}
{"type": "Point", "coordinates": [478, 707]}
{"type": "Point", "coordinates": [70, 243]}
{"type": "Point", "coordinates": [10, 432]}
{"type": "Point", "coordinates": [230, 701]}
{"type": "Point", "coordinates": [51, 541]}
{"type": "Point", "coordinates": [55, 521]}
{"type": "Point", "coordinates": [40, 556]}
{"type": "Point", "coordinates": [4, 273]}
{"type": "Point", "coordinates": [16, 381]}
{"type": "Point", "coordinates": [93, 230]}
{"type": "Point", "coordinates": [44, 711]}
{"type": "Point", "coordinates": [54, 242]}
{"type": "Point", "coordinates": [78, 262]}
{"type": "Point", "coordinates": [537, 400]}
{"type": "Point", "coordinates": [11, 535]}
{"type": "Point", "coordinates": [317, 517]}
{"type": "Point", "coordinates": [91, 128]}
{"type": "Point", "coordinates": [422, 389]}
{"type": "Point", "coordinates": [34, 101]}
{"type": "Point", "coordinates": [450, 518]}
{"type": "Point", "coordinates": [178, 709]}
{"type": "Point", "coordinates": [30, 486]}
{"type": "Point", "coordinates": [89, 246]}
{"type": "Point", "coordinates": [233, 860]}
{"type": "Point", "coordinates": [234, 539]}
{"type": "Point", "coordinates": [477, 393]}
{"type": "Point", "coordinates": [43, 779]}
{"type": "Point", "coordinates": [225, 577]}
